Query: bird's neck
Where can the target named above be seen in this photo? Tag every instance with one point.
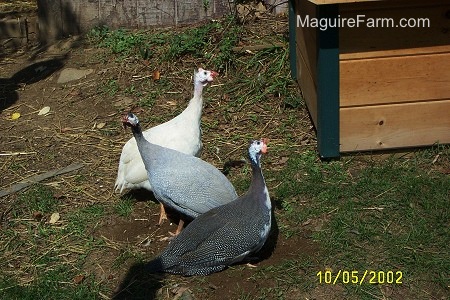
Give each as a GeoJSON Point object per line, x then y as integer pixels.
{"type": "Point", "coordinates": [137, 133]}
{"type": "Point", "coordinates": [140, 139]}
{"type": "Point", "coordinates": [195, 105]}
{"type": "Point", "coordinates": [198, 90]}
{"type": "Point", "coordinates": [137, 130]}
{"type": "Point", "coordinates": [258, 184]}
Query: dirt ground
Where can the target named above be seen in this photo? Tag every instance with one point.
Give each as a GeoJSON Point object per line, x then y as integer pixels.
{"type": "Point", "coordinates": [83, 126]}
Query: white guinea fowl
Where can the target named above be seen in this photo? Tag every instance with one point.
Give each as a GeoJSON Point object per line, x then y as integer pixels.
{"type": "Point", "coordinates": [181, 133]}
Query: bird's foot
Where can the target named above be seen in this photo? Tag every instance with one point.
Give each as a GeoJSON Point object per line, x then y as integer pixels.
{"type": "Point", "coordinates": [168, 238]}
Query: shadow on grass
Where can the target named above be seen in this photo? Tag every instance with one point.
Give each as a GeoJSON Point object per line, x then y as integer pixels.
{"type": "Point", "coordinates": [138, 284]}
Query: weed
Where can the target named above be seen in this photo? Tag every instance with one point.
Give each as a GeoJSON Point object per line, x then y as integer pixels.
{"type": "Point", "coordinates": [124, 207]}
{"type": "Point", "coordinates": [225, 57]}
{"type": "Point", "coordinates": [39, 198]}
{"type": "Point", "coordinates": [111, 87]}
{"type": "Point", "coordinates": [118, 41]}
{"type": "Point", "coordinates": [83, 218]}
{"type": "Point", "coordinates": [192, 41]}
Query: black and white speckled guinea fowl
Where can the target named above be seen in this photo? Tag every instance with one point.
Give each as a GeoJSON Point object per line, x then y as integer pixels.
{"type": "Point", "coordinates": [224, 235]}
{"type": "Point", "coordinates": [180, 181]}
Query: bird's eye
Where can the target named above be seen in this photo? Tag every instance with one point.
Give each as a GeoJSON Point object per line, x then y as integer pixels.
{"type": "Point", "coordinates": [258, 143]}
{"type": "Point", "coordinates": [204, 73]}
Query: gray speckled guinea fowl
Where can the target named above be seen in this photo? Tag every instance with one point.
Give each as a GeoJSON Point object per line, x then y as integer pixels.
{"type": "Point", "coordinates": [182, 182]}
{"type": "Point", "coordinates": [224, 235]}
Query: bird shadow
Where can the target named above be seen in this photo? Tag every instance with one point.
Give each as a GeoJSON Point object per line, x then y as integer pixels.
{"type": "Point", "coordinates": [143, 195]}
{"type": "Point", "coordinates": [138, 284]}
{"type": "Point", "coordinates": [28, 75]}
{"type": "Point", "coordinates": [230, 164]}
{"type": "Point", "coordinates": [140, 195]}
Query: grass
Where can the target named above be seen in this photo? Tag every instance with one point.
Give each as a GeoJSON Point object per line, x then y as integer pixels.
{"type": "Point", "coordinates": [124, 207]}
{"type": "Point", "coordinates": [381, 212]}
{"type": "Point", "coordinates": [382, 215]}
{"type": "Point", "coordinates": [212, 42]}
{"type": "Point", "coordinates": [43, 259]}
{"type": "Point", "coordinates": [387, 215]}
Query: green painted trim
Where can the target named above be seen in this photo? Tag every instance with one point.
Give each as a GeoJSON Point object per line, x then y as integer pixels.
{"type": "Point", "coordinates": [328, 84]}
{"type": "Point", "coordinates": [292, 40]}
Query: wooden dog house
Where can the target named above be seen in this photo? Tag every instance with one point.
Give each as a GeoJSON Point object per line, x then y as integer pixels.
{"type": "Point", "coordinates": [372, 86]}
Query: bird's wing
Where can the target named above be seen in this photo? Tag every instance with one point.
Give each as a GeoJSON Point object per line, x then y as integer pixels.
{"type": "Point", "coordinates": [215, 238]}
{"type": "Point", "coordinates": [192, 184]}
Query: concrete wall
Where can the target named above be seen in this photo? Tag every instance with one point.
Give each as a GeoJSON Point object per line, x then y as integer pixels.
{"type": "Point", "coordinates": [17, 31]}
{"type": "Point", "coordinates": [59, 18]}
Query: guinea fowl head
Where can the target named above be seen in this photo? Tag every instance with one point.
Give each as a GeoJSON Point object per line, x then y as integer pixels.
{"type": "Point", "coordinates": [256, 149]}
{"type": "Point", "coordinates": [130, 120]}
{"type": "Point", "coordinates": [204, 76]}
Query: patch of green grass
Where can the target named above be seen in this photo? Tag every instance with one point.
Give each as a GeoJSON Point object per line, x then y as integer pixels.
{"type": "Point", "coordinates": [111, 87]}
{"type": "Point", "coordinates": [53, 284]}
{"type": "Point", "coordinates": [124, 207]}
{"type": "Point", "coordinates": [192, 41]}
{"type": "Point", "coordinates": [266, 75]}
{"type": "Point", "coordinates": [120, 41]}
{"type": "Point", "coordinates": [225, 58]}
{"type": "Point", "coordinates": [387, 215]}
{"type": "Point", "coordinates": [86, 217]}
{"type": "Point", "coordinates": [39, 259]}
{"type": "Point", "coordinates": [39, 198]}
{"type": "Point", "coordinates": [211, 42]}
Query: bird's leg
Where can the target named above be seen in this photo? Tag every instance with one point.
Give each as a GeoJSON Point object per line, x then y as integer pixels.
{"type": "Point", "coordinates": [173, 235]}
{"type": "Point", "coordinates": [180, 227]}
{"type": "Point", "coordinates": [162, 214]}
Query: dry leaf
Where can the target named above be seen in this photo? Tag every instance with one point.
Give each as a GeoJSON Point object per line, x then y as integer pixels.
{"type": "Point", "coordinates": [283, 160]}
{"type": "Point", "coordinates": [307, 222]}
{"type": "Point", "coordinates": [156, 75]}
{"type": "Point", "coordinates": [15, 116]}
{"type": "Point", "coordinates": [37, 215]}
{"type": "Point", "coordinates": [54, 218]}
{"type": "Point", "coordinates": [78, 279]}
{"type": "Point", "coordinates": [45, 110]}
{"type": "Point", "coordinates": [101, 125]}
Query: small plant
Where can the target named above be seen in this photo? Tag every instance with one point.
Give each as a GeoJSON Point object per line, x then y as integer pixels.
{"type": "Point", "coordinates": [225, 57]}
{"type": "Point", "coordinates": [193, 41]}
{"type": "Point", "coordinates": [111, 87]}
{"type": "Point", "coordinates": [124, 207]}
{"type": "Point", "coordinates": [39, 198]}
{"type": "Point", "coordinates": [83, 218]}
{"type": "Point", "coordinates": [206, 4]}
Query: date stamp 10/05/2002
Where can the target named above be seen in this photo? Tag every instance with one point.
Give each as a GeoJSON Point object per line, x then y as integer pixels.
{"type": "Point", "coordinates": [356, 277]}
